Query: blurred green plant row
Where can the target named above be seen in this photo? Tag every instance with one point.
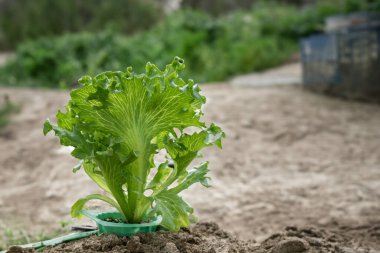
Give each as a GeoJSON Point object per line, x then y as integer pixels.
{"type": "Point", "coordinates": [25, 19]}
{"type": "Point", "coordinates": [213, 48]}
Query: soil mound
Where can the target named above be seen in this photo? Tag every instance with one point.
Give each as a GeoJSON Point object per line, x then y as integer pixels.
{"type": "Point", "coordinates": [208, 238]}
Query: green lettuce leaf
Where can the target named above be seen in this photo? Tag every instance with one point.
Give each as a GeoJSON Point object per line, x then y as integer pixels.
{"type": "Point", "coordinates": [80, 203]}
{"type": "Point", "coordinates": [174, 210]}
{"type": "Point", "coordinates": [118, 121]}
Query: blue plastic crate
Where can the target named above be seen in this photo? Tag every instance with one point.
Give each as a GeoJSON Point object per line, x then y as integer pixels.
{"type": "Point", "coordinates": [345, 63]}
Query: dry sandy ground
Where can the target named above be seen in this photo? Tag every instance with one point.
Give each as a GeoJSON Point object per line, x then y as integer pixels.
{"type": "Point", "coordinates": [290, 158]}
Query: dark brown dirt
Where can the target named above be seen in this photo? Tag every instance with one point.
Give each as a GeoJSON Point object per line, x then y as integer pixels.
{"type": "Point", "coordinates": [209, 238]}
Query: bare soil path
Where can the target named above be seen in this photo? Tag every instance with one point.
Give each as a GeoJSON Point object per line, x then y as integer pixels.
{"type": "Point", "coordinates": [290, 158]}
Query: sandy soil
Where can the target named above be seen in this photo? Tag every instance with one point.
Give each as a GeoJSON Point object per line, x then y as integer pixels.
{"type": "Point", "coordinates": [291, 158]}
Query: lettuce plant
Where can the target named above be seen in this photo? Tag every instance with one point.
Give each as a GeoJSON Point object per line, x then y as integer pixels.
{"type": "Point", "coordinates": [118, 121]}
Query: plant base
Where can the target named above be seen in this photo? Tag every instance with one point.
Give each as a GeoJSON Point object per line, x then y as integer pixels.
{"type": "Point", "coordinates": [120, 229]}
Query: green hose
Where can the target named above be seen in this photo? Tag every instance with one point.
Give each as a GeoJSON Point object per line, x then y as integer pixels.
{"type": "Point", "coordinates": [58, 240]}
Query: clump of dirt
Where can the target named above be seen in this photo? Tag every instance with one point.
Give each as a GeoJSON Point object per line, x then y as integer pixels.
{"type": "Point", "coordinates": [209, 238]}
{"type": "Point", "coordinates": [115, 220]}
{"type": "Point", "coordinates": [307, 240]}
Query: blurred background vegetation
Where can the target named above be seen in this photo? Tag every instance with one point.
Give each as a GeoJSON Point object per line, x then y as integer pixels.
{"type": "Point", "coordinates": [55, 42]}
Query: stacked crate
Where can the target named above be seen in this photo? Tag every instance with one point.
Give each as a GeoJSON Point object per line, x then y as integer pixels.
{"type": "Point", "coordinates": [345, 61]}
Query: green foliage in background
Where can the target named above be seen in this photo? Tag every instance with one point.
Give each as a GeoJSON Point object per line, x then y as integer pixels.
{"type": "Point", "coordinates": [25, 19]}
{"type": "Point", "coordinates": [215, 48]}
{"type": "Point", "coordinates": [220, 7]}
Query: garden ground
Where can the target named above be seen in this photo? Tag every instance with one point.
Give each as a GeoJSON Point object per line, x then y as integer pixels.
{"type": "Point", "coordinates": [291, 158]}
